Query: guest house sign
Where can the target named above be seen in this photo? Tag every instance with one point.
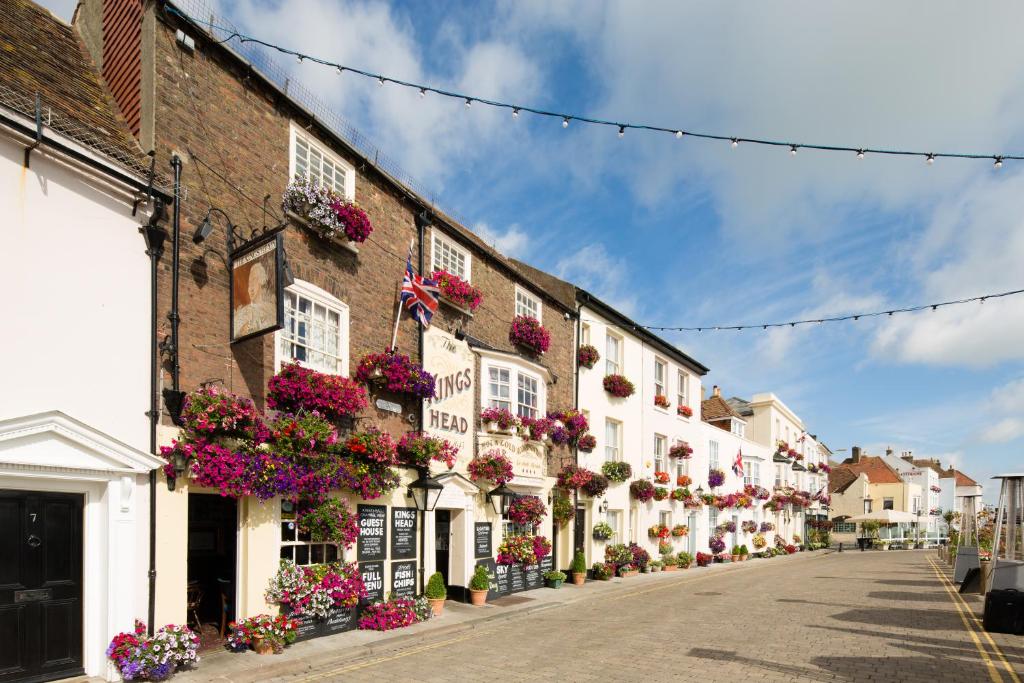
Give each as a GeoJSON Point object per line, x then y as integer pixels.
{"type": "Point", "coordinates": [449, 414]}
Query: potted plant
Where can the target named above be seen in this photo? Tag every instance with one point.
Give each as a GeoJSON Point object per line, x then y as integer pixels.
{"type": "Point", "coordinates": [579, 568]}
{"type": "Point", "coordinates": [655, 566]}
{"type": "Point", "coordinates": [628, 570]}
{"type": "Point", "coordinates": [436, 593]}
{"type": "Point", "coordinates": [661, 401]}
{"type": "Point", "coordinates": [479, 584]}
{"type": "Point", "coordinates": [554, 579]}
{"type": "Point", "coordinates": [602, 571]}
{"type": "Point", "coordinates": [684, 560]}
{"type": "Point", "coordinates": [744, 553]}
{"type": "Point", "coordinates": [735, 553]}
{"type": "Point", "coordinates": [668, 562]}
{"type": "Point", "coordinates": [499, 420]}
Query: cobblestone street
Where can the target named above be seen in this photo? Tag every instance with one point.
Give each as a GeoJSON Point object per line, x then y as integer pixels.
{"type": "Point", "coordinates": [852, 616]}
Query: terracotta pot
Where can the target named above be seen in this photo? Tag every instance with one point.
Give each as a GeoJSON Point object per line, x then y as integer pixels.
{"type": "Point", "coordinates": [436, 606]}
{"type": "Point", "coordinates": [627, 574]}
{"type": "Point", "coordinates": [262, 646]}
{"type": "Point", "coordinates": [670, 567]}
{"type": "Point", "coordinates": [735, 558]}
{"type": "Point", "coordinates": [579, 578]}
{"type": "Point", "coordinates": [477, 597]}
{"type": "Point", "coordinates": [744, 558]}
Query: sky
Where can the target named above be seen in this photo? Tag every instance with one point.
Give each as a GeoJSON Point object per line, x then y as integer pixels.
{"type": "Point", "coordinates": [690, 232]}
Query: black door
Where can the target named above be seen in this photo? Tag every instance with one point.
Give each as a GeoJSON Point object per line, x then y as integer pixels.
{"type": "Point", "coordinates": [40, 585]}
{"type": "Point", "coordinates": [580, 530]}
{"type": "Point", "coordinates": [442, 534]}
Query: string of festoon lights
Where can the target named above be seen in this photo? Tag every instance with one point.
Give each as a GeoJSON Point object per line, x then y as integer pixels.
{"type": "Point", "coordinates": [817, 321]}
{"type": "Point", "coordinates": [566, 119]}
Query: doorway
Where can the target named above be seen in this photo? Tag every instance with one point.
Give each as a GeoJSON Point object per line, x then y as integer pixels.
{"type": "Point", "coordinates": [442, 542]}
{"type": "Point", "coordinates": [40, 585]}
{"type": "Point", "coordinates": [212, 539]}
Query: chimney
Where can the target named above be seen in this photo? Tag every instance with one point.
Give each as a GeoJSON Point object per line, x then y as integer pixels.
{"type": "Point", "coordinates": [908, 456]}
{"type": "Point", "coordinates": [856, 454]}
{"type": "Point", "coordinates": [715, 391]}
{"type": "Point", "coordinates": [888, 451]}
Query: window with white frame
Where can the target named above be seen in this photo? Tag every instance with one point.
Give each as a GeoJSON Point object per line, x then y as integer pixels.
{"type": "Point", "coordinates": [739, 428]}
{"type": "Point", "coordinates": [315, 331]}
{"type": "Point", "coordinates": [584, 334]}
{"type": "Point", "coordinates": [660, 445]}
{"type": "Point", "coordinates": [752, 472]}
{"type": "Point", "coordinates": [499, 387]}
{"type": "Point", "coordinates": [527, 397]}
{"type": "Point", "coordinates": [778, 476]}
{"type": "Point", "coordinates": [446, 255]}
{"type": "Point", "coordinates": [916, 504]}
{"type": "Point", "coordinates": [713, 453]}
{"type": "Point", "coordinates": [660, 373]}
{"type": "Point", "coordinates": [527, 304]}
{"type": "Point", "coordinates": [867, 506]}
{"type": "Point", "coordinates": [682, 388]}
{"type": "Point", "coordinates": [612, 440]}
{"type": "Point", "coordinates": [712, 519]}
{"type": "Point", "coordinates": [612, 354]}
{"type": "Point", "coordinates": [509, 528]}
{"type": "Point", "coordinates": [665, 518]}
{"type": "Point", "coordinates": [297, 546]}
{"type": "Point", "coordinates": [691, 544]}
{"type": "Point", "coordinates": [682, 467]}
{"type": "Point", "coordinates": [614, 520]}
{"type": "Point", "coordinates": [311, 159]}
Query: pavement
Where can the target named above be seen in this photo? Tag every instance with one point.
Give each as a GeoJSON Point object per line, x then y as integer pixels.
{"type": "Point", "coordinates": [851, 616]}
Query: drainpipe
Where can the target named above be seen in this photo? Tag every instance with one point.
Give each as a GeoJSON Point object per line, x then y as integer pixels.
{"type": "Point", "coordinates": [175, 258]}
{"type": "Point", "coordinates": [421, 224]}
{"type": "Point", "coordinates": [155, 237]}
{"type": "Point", "coordinates": [576, 404]}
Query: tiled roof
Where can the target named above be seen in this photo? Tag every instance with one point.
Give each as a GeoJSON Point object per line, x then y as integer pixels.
{"type": "Point", "coordinates": [877, 470]}
{"type": "Point", "coordinates": [716, 408]}
{"type": "Point", "coordinates": [961, 478]}
{"type": "Point", "coordinates": [562, 291]}
{"type": "Point", "coordinates": [41, 54]}
{"type": "Point", "coordinates": [840, 479]}
{"type": "Point", "coordinates": [929, 464]}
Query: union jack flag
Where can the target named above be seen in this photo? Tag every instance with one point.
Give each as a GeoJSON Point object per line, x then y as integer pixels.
{"type": "Point", "coordinates": [737, 466]}
{"type": "Point", "coordinates": [419, 295]}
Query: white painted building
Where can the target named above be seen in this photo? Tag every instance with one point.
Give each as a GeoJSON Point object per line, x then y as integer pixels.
{"type": "Point", "coordinates": [927, 478]}
{"type": "Point", "coordinates": [636, 431]}
{"type": "Point", "coordinates": [75, 363]}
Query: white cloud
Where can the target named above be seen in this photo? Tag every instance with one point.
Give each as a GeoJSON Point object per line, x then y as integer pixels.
{"type": "Point", "coordinates": [595, 270]}
{"type": "Point", "coordinates": [512, 242]}
{"type": "Point", "coordinates": [1005, 430]}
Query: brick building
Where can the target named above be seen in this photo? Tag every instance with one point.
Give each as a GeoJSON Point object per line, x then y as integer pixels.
{"type": "Point", "coordinates": [241, 136]}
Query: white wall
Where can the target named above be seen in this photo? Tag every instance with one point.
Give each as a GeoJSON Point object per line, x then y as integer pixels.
{"type": "Point", "coordinates": [75, 278]}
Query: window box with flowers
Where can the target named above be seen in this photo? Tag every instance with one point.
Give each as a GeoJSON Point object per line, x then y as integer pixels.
{"type": "Point", "coordinates": [499, 420]}
{"type": "Point", "coordinates": [396, 373]}
{"type": "Point", "coordinates": [661, 401]}
{"type": "Point", "coordinates": [659, 531]}
{"type": "Point", "coordinates": [617, 472]}
{"type": "Point", "coordinates": [527, 333]}
{"type": "Point", "coordinates": [618, 386]}
{"type": "Point", "coordinates": [524, 550]}
{"type": "Point", "coordinates": [456, 292]}
{"type": "Point", "coordinates": [660, 493]}
{"type": "Point", "coordinates": [662, 477]}
{"type": "Point", "coordinates": [326, 213]}
{"type": "Point", "coordinates": [684, 480]}
{"type": "Point", "coordinates": [680, 530]}
{"type": "Point", "coordinates": [684, 411]}
{"type": "Point", "coordinates": [587, 356]}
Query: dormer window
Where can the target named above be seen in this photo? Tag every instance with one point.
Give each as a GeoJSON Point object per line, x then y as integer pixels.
{"type": "Point", "coordinates": [738, 427]}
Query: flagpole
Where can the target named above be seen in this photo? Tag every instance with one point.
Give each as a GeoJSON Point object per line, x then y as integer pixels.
{"type": "Point", "coordinates": [398, 313]}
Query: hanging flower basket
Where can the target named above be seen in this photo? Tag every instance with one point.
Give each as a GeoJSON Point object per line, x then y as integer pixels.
{"type": "Point", "coordinates": [618, 386]}
{"type": "Point", "coordinates": [641, 490]}
{"type": "Point", "coordinates": [680, 450]}
{"type": "Point", "coordinates": [597, 485]}
{"type": "Point", "coordinates": [419, 450]}
{"type": "Point", "coordinates": [527, 511]}
{"type": "Point", "coordinates": [716, 477]}
{"type": "Point", "coordinates": [587, 443]}
{"type": "Point", "coordinates": [529, 334]}
{"type": "Point", "coordinates": [574, 477]}
{"type": "Point", "coordinates": [587, 356]}
{"type": "Point", "coordinates": [491, 465]}
{"type": "Point", "coordinates": [617, 472]}
{"type": "Point", "coordinates": [397, 373]}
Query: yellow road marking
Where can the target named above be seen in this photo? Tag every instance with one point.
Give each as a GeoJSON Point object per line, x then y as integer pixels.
{"type": "Point", "coordinates": [967, 614]}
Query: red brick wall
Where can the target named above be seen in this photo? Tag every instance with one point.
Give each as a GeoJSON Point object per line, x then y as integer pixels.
{"type": "Point", "coordinates": [238, 127]}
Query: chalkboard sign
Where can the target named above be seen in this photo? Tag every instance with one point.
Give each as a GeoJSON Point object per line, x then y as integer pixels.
{"type": "Point", "coordinates": [403, 533]}
{"type": "Point", "coordinates": [307, 626]}
{"type": "Point", "coordinates": [532, 578]}
{"type": "Point", "coordinates": [373, 579]}
{"type": "Point", "coordinates": [499, 577]}
{"type": "Point", "coordinates": [340, 620]}
{"type": "Point", "coordinates": [372, 543]}
{"type": "Point", "coordinates": [482, 539]}
{"type": "Point", "coordinates": [516, 578]}
{"type": "Point", "coordinates": [403, 579]}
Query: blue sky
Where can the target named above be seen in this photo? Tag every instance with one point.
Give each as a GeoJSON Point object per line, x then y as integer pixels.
{"type": "Point", "coordinates": [695, 233]}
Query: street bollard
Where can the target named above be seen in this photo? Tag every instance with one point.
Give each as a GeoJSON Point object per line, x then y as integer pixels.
{"type": "Point", "coordinates": [840, 547]}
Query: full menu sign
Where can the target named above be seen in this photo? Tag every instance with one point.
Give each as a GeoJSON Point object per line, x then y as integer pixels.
{"type": "Point", "coordinates": [403, 533]}
{"type": "Point", "coordinates": [449, 414]}
{"type": "Point", "coordinates": [373, 580]}
{"type": "Point", "coordinates": [372, 542]}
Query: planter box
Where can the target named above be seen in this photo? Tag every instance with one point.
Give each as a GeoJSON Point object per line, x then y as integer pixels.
{"type": "Point", "coordinates": [342, 242]}
{"type": "Point", "coordinates": [670, 567]}
{"type": "Point", "coordinates": [457, 307]}
{"type": "Point", "coordinates": [628, 574]}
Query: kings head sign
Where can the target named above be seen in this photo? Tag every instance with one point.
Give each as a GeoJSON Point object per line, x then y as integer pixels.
{"type": "Point", "coordinates": [449, 414]}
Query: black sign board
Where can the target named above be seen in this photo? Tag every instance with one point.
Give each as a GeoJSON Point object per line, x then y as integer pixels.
{"type": "Point", "coordinates": [373, 579]}
{"type": "Point", "coordinates": [403, 579]}
{"type": "Point", "coordinates": [340, 620]}
{"type": "Point", "coordinates": [372, 543]}
{"type": "Point", "coordinates": [482, 539]}
{"type": "Point", "coordinates": [403, 533]}
{"type": "Point", "coordinates": [307, 626]}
